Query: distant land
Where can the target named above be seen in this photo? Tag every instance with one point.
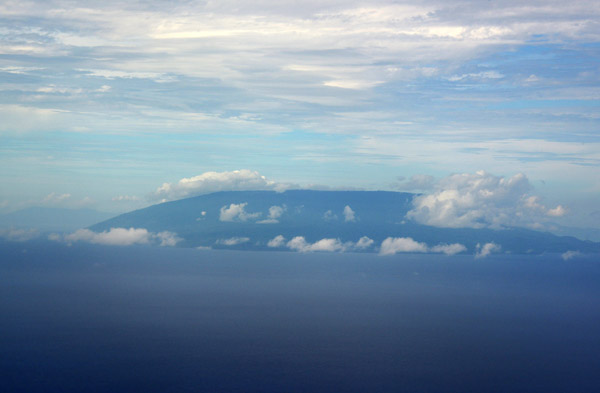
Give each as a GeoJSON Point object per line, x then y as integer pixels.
{"type": "Point", "coordinates": [326, 221]}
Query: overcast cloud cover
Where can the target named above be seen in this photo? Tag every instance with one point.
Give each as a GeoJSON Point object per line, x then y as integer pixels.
{"type": "Point", "coordinates": [102, 102]}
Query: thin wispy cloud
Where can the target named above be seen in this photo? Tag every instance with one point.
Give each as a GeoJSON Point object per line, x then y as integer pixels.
{"type": "Point", "coordinates": [353, 94]}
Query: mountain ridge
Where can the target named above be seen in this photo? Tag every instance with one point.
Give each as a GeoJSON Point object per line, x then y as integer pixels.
{"type": "Point", "coordinates": [213, 220]}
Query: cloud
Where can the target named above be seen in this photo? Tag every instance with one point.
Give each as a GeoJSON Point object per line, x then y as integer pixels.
{"type": "Point", "coordinates": [300, 244]}
{"type": "Point", "coordinates": [570, 255]}
{"type": "Point", "coordinates": [54, 198]}
{"type": "Point", "coordinates": [276, 242]}
{"type": "Point", "coordinates": [18, 235]}
{"type": "Point", "coordinates": [349, 214]}
{"type": "Point", "coordinates": [236, 212]}
{"type": "Point", "coordinates": [126, 198]}
{"type": "Point", "coordinates": [481, 200]}
{"type": "Point", "coordinates": [233, 241]}
{"type": "Point", "coordinates": [66, 200]}
{"type": "Point", "coordinates": [329, 216]}
{"type": "Point", "coordinates": [486, 249]}
{"type": "Point", "coordinates": [393, 245]}
{"type": "Point", "coordinates": [120, 237]}
{"type": "Point", "coordinates": [449, 249]}
{"type": "Point", "coordinates": [415, 183]}
{"type": "Point", "coordinates": [167, 238]}
{"type": "Point", "coordinates": [364, 243]}
{"type": "Point", "coordinates": [209, 182]}
{"type": "Point", "coordinates": [558, 211]}
{"type": "Point", "coordinates": [274, 213]}
{"type": "Point", "coordinates": [477, 76]}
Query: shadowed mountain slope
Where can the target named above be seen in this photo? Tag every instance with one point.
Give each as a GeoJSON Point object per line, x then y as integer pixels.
{"type": "Point", "coordinates": [210, 220]}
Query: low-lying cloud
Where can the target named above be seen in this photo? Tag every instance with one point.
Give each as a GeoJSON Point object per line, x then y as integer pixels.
{"type": "Point", "coordinates": [394, 245]}
{"type": "Point", "coordinates": [567, 256]}
{"type": "Point", "coordinates": [120, 237]}
{"type": "Point", "coordinates": [18, 234]}
{"type": "Point", "coordinates": [236, 212]}
{"type": "Point", "coordinates": [274, 213]}
{"type": "Point", "coordinates": [300, 244]}
{"type": "Point", "coordinates": [486, 249]}
{"type": "Point", "coordinates": [482, 200]}
{"type": "Point", "coordinates": [349, 215]}
{"type": "Point", "coordinates": [233, 241]}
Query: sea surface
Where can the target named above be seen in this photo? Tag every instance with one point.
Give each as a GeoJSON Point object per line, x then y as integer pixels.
{"type": "Point", "coordinates": [86, 318]}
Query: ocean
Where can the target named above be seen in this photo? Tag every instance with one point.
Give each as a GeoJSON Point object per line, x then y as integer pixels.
{"type": "Point", "coordinates": [89, 318]}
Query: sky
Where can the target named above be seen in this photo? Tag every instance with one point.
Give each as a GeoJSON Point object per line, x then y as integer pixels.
{"type": "Point", "coordinates": [116, 106]}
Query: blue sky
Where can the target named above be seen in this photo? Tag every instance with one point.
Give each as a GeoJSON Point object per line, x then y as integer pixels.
{"type": "Point", "coordinates": [102, 103]}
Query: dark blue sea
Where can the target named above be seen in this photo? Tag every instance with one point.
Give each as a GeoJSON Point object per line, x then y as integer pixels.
{"type": "Point", "coordinates": [87, 318]}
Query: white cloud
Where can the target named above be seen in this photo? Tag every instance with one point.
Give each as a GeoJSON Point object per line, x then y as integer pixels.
{"type": "Point", "coordinates": [120, 237]}
{"type": "Point", "coordinates": [393, 245]}
{"type": "Point", "coordinates": [477, 76]}
{"type": "Point", "coordinates": [349, 215]}
{"type": "Point", "coordinates": [167, 238]}
{"type": "Point", "coordinates": [18, 235]}
{"type": "Point", "coordinates": [449, 249]}
{"type": "Point", "coordinates": [54, 198]}
{"type": "Point", "coordinates": [126, 198]}
{"type": "Point", "coordinates": [276, 242]}
{"type": "Point", "coordinates": [329, 216]}
{"type": "Point", "coordinates": [364, 243]}
{"type": "Point", "coordinates": [209, 182]}
{"type": "Point", "coordinates": [274, 213]}
{"type": "Point", "coordinates": [236, 212]}
{"type": "Point", "coordinates": [486, 249]}
{"type": "Point", "coordinates": [558, 211]}
{"type": "Point", "coordinates": [570, 255]}
{"type": "Point", "coordinates": [233, 241]}
{"type": "Point", "coordinates": [115, 236]}
{"type": "Point", "coordinates": [300, 244]}
{"type": "Point", "coordinates": [481, 200]}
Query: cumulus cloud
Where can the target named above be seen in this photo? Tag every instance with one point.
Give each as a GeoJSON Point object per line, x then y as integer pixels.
{"type": "Point", "coordinates": [481, 200]}
{"type": "Point", "coordinates": [233, 241]}
{"type": "Point", "coordinates": [558, 211]}
{"type": "Point", "coordinates": [274, 213]}
{"type": "Point", "coordinates": [18, 235]}
{"type": "Point", "coordinates": [167, 238]}
{"type": "Point", "coordinates": [208, 182]}
{"type": "Point", "coordinates": [449, 249]}
{"type": "Point", "coordinates": [329, 216]}
{"type": "Point", "coordinates": [394, 245]}
{"type": "Point", "coordinates": [120, 237]}
{"type": "Point", "coordinates": [570, 255]}
{"type": "Point", "coordinates": [486, 249]}
{"type": "Point", "coordinates": [363, 243]}
{"type": "Point", "coordinates": [236, 212]}
{"type": "Point", "coordinates": [349, 215]}
{"type": "Point", "coordinates": [276, 242]}
{"type": "Point", "coordinates": [300, 244]}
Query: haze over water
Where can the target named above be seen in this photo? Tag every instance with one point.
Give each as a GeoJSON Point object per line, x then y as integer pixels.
{"type": "Point", "coordinates": [99, 319]}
